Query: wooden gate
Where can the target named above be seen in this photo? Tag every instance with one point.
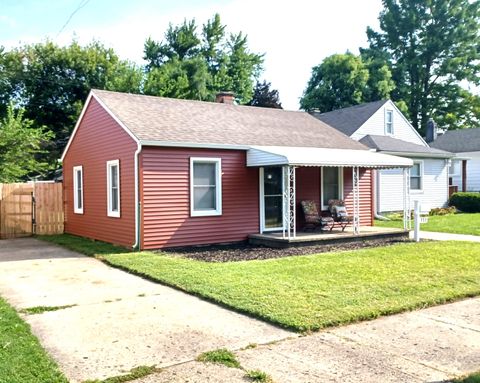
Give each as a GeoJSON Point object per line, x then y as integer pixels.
{"type": "Point", "coordinates": [27, 208]}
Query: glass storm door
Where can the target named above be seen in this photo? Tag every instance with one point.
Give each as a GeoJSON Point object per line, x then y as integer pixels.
{"type": "Point", "coordinates": [273, 198]}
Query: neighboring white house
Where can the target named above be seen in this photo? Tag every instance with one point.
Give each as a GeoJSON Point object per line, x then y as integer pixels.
{"type": "Point", "coordinates": [465, 143]}
{"type": "Point", "coordinates": [383, 128]}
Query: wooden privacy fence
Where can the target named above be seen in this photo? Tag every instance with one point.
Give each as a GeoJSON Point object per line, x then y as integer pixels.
{"type": "Point", "coordinates": [30, 208]}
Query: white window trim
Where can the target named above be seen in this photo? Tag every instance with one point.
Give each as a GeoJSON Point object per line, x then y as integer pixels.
{"type": "Point", "coordinates": [340, 187]}
{"type": "Point", "coordinates": [417, 191]}
{"type": "Point", "coordinates": [76, 169]}
{"type": "Point", "coordinates": [110, 213]}
{"type": "Point", "coordinates": [393, 123]}
{"type": "Point", "coordinates": [218, 188]}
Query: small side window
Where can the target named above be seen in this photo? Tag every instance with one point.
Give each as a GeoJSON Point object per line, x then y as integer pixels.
{"type": "Point", "coordinates": [78, 189]}
{"type": "Point", "coordinates": [416, 176]}
{"type": "Point", "coordinates": [113, 188]}
{"type": "Point", "coordinates": [389, 122]}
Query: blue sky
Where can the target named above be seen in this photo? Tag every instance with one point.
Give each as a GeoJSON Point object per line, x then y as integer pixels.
{"type": "Point", "coordinates": [294, 35]}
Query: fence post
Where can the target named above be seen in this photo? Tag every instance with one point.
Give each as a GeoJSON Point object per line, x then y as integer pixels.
{"type": "Point", "coordinates": [416, 220]}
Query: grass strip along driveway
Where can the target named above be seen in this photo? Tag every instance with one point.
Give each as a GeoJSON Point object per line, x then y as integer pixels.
{"type": "Point", "coordinates": [311, 292]}
{"type": "Point", "coordinates": [22, 359]}
{"type": "Point", "coordinates": [454, 223]}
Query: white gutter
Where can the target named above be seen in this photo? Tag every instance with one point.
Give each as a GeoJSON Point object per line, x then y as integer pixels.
{"type": "Point", "coordinates": [418, 155]}
{"type": "Point", "coordinates": [198, 145]}
{"type": "Point", "coordinates": [137, 197]}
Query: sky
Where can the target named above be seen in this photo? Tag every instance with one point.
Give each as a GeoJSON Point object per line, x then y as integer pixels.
{"type": "Point", "coordinates": [294, 35]}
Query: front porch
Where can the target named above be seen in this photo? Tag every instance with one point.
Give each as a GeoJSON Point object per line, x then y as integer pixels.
{"type": "Point", "coordinates": [336, 236]}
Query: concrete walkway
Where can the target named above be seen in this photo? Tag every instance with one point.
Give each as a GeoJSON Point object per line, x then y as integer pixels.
{"type": "Point", "coordinates": [447, 236]}
{"type": "Point", "coordinates": [122, 321]}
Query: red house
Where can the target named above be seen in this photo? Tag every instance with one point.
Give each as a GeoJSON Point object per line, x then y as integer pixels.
{"type": "Point", "coordinates": [153, 172]}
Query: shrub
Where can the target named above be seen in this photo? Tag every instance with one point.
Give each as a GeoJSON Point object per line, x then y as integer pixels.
{"type": "Point", "coordinates": [443, 210]}
{"type": "Point", "coordinates": [466, 202]}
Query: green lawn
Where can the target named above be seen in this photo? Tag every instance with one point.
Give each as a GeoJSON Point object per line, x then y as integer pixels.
{"type": "Point", "coordinates": [311, 292]}
{"type": "Point", "coordinates": [457, 223]}
{"type": "Point", "coordinates": [22, 359]}
{"type": "Point", "coordinates": [473, 378]}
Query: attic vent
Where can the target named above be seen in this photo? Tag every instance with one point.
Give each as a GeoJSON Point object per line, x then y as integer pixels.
{"type": "Point", "coordinates": [225, 98]}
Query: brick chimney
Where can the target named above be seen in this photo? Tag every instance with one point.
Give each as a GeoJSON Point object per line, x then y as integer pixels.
{"type": "Point", "coordinates": [431, 133]}
{"type": "Point", "coordinates": [225, 98]}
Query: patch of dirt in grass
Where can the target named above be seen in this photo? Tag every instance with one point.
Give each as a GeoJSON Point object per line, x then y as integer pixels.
{"type": "Point", "coordinates": [246, 252]}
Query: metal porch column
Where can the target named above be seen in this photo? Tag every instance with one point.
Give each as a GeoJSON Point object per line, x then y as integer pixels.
{"type": "Point", "coordinates": [289, 210]}
{"type": "Point", "coordinates": [356, 199]}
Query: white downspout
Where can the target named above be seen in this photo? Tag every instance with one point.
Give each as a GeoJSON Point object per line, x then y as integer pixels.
{"type": "Point", "coordinates": [137, 198]}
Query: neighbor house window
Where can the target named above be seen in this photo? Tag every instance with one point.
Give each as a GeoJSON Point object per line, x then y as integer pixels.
{"type": "Point", "coordinates": [389, 121]}
{"type": "Point", "coordinates": [332, 185]}
{"type": "Point", "coordinates": [416, 175]}
{"type": "Point", "coordinates": [113, 188]}
{"type": "Point", "coordinates": [205, 186]}
{"type": "Point", "coordinates": [78, 189]}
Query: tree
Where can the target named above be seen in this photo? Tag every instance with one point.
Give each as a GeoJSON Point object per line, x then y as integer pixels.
{"type": "Point", "coordinates": [265, 97]}
{"type": "Point", "coordinates": [433, 48]}
{"type": "Point", "coordinates": [197, 66]}
{"type": "Point", "coordinates": [52, 83]}
{"type": "Point", "coordinates": [343, 80]}
{"type": "Point", "coordinates": [20, 145]}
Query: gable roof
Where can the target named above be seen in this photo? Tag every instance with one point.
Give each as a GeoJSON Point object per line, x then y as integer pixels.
{"type": "Point", "coordinates": [458, 141]}
{"type": "Point", "coordinates": [400, 147]}
{"type": "Point", "coordinates": [157, 120]}
{"type": "Point", "coordinates": [349, 120]}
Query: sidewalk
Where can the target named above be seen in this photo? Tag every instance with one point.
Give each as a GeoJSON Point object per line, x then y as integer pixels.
{"type": "Point", "coordinates": [430, 345]}
{"type": "Point", "coordinates": [446, 236]}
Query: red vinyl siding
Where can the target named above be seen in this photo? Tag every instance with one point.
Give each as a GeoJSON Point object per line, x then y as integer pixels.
{"type": "Point", "coordinates": [165, 180]}
{"type": "Point", "coordinates": [308, 182]}
{"type": "Point", "coordinates": [365, 194]}
{"type": "Point", "coordinates": [99, 138]}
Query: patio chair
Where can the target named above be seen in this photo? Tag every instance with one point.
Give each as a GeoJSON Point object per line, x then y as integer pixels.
{"type": "Point", "coordinates": [339, 213]}
{"type": "Point", "coordinates": [312, 217]}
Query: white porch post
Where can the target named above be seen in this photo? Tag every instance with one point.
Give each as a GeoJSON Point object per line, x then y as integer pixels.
{"type": "Point", "coordinates": [406, 200]}
{"type": "Point", "coordinates": [356, 199]}
{"type": "Point", "coordinates": [289, 211]}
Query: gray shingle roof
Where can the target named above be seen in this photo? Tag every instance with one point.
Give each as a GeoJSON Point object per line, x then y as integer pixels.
{"type": "Point", "coordinates": [184, 121]}
{"type": "Point", "coordinates": [348, 120]}
{"type": "Point", "coordinates": [394, 145]}
{"type": "Point", "coordinates": [458, 141]}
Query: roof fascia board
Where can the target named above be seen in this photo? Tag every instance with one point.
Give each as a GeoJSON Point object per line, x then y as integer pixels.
{"type": "Point", "coordinates": [413, 154]}
{"type": "Point", "coordinates": [172, 144]}
{"type": "Point", "coordinates": [82, 114]}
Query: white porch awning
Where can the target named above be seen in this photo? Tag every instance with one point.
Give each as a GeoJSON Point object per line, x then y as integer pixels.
{"type": "Point", "coordinates": [301, 156]}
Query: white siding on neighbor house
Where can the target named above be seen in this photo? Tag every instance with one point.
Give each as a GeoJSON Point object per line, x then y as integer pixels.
{"type": "Point", "coordinates": [402, 129]}
{"type": "Point", "coordinates": [434, 191]}
{"type": "Point", "coordinates": [473, 170]}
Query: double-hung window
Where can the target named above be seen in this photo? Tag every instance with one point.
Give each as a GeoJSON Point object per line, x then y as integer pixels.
{"type": "Point", "coordinates": [205, 186]}
{"type": "Point", "coordinates": [389, 122]}
{"type": "Point", "coordinates": [113, 188]}
{"type": "Point", "coordinates": [332, 185]}
{"type": "Point", "coordinates": [78, 189]}
{"type": "Point", "coordinates": [416, 175]}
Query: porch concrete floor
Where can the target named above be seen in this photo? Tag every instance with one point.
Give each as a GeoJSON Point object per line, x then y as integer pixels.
{"type": "Point", "coordinates": [336, 235]}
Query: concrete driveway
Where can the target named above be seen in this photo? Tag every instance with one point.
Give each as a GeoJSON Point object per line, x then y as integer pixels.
{"type": "Point", "coordinates": [120, 321]}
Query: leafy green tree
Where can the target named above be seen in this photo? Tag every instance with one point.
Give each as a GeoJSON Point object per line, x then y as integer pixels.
{"type": "Point", "coordinates": [433, 48]}
{"type": "Point", "coordinates": [343, 80]}
{"type": "Point", "coordinates": [53, 82]}
{"type": "Point", "coordinates": [265, 97]}
{"type": "Point", "coordinates": [20, 146]}
{"type": "Point", "coordinates": [197, 66]}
